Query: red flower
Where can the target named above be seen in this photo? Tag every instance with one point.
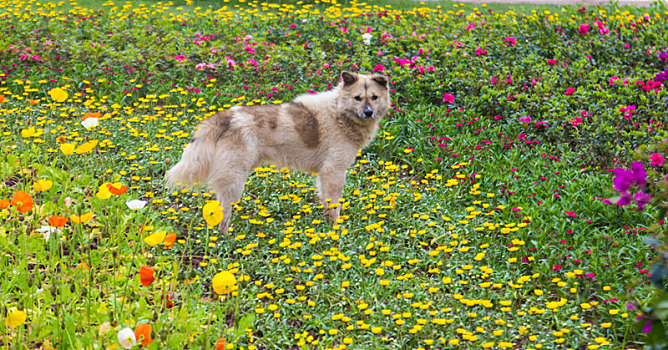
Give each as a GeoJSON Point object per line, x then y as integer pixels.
{"type": "Point", "coordinates": [146, 275]}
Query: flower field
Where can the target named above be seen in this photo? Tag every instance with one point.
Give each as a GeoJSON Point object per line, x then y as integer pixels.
{"type": "Point", "coordinates": [476, 219]}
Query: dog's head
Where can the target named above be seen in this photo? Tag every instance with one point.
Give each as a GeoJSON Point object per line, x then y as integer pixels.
{"type": "Point", "coordinates": [364, 97]}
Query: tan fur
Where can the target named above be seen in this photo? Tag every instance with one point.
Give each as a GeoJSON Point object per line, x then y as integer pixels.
{"type": "Point", "coordinates": [314, 133]}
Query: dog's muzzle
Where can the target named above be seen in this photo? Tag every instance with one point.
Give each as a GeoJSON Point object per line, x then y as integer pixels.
{"type": "Point", "coordinates": [368, 112]}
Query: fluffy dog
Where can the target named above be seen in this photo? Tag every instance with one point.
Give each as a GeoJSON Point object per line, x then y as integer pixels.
{"type": "Point", "coordinates": [319, 133]}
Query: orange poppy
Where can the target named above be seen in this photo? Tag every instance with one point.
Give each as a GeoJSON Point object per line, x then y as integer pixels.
{"type": "Point", "coordinates": [57, 221]}
{"type": "Point", "coordinates": [146, 275]}
{"type": "Point", "coordinates": [4, 203]}
{"type": "Point", "coordinates": [32, 102]}
{"type": "Point", "coordinates": [22, 201]}
{"type": "Point", "coordinates": [2, 98]}
{"type": "Point", "coordinates": [117, 190]}
{"type": "Point", "coordinates": [220, 345]}
{"type": "Point", "coordinates": [143, 334]}
{"type": "Point", "coordinates": [168, 242]}
{"type": "Point", "coordinates": [91, 115]}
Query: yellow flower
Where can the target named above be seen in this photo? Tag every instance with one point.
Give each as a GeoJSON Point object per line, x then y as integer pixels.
{"type": "Point", "coordinates": [213, 213]}
{"type": "Point", "coordinates": [15, 318]}
{"type": "Point", "coordinates": [58, 94]}
{"type": "Point", "coordinates": [81, 219]}
{"type": "Point", "coordinates": [103, 192]}
{"type": "Point", "coordinates": [86, 147]}
{"type": "Point", "coordinates": [67, 148]}
{"type": "Point", "coordinates": [224, 282]}
{"type": "Point", "coordinates": [42, 185]}
{"type": "Point", "coordinates": [156, 238]}
{"type": "Point", "coordinates": [31, 132]}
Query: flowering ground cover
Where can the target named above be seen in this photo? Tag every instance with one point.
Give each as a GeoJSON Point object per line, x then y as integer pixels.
{"type": "Point", "coordinates": [475, 220]}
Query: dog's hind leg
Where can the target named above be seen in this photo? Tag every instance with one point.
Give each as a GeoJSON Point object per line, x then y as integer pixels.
{"type": "Point", "coordinates": [330, 186]}
{"type": "Point", "coordinates": [228, 182]}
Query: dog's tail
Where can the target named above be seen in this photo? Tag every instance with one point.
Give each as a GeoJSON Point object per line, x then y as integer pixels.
{"type": "Point", "coordinates": [196, 160]}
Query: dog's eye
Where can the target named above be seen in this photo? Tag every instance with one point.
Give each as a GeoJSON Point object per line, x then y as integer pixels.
{"type": "Point", "coordinates": [374, 97]}
{"type": "Point", "coordinates": [357, 98]}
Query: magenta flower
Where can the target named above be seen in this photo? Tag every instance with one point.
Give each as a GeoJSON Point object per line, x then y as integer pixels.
{"type": "Point", "coordinates": [379, 68]}
{"type": "Point", "coordinates": [569, 91]}
{"type": "Point", "coordinates": [584, 28]}
{"type": "Point", "coordinates": [648, 327]}
{"type": "Point", "coordinates": [623, 181]}
{"type": "Point", "coordinates": [656, 159]}
{"type": "Point", "coordinates": [510, 40]}
{"type": "Point", "coordinates": [449, 98]}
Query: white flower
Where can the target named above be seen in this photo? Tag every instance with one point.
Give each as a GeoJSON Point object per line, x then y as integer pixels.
{"type": "Point", "coordinates": [135, 204]}
{"type": "Point", "coordinates": [366, 38]}
{"type": "Point", "coordinates": [90, 123]}
{"type": "Point", "coordinates": [46, 231]}
{"type": "Point", "coordinates": [126, 337]}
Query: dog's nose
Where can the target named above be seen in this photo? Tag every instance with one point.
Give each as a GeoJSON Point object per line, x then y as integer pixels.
{"type": "Point", "coordinates": [368, 112]}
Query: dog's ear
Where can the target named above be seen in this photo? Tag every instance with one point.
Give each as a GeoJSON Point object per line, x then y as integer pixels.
{"type": "Point", "coordinates": [381, 79]}
{"type": "Point", "coordinates": [348, 78]}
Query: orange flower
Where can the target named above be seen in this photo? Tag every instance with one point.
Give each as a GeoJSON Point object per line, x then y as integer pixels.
{"type": "Point", "coordinates": [4, 203]}
{"type": "Point", "coordinates": [57, 221]}
{"type": "Point", "coordinates": [220, 345]}
{"type": "Point", "coordinates": [2, 98]}
{"type": "Point", "coordinates": [168, 242]}
{"type": "Point", "coordinates": [117, 190]}
{"type": "Point", "coordinates": [146, 276]}
{"type": "Point", "coordinates": [22, 201]}
{"type": "Point", "coordinates": [91, 115]}
{"type": "Point", "coordinates": [32, 102]}
{"type": "Point", "coordinates": [143, 334]}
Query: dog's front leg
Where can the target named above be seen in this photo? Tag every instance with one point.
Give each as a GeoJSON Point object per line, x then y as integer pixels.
{"type": "Point", "coordinates": [330, 187]}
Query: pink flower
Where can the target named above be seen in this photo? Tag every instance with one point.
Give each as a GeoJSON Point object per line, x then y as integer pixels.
{"type": "Point", "coordinates": [379, 68]}
{"type": "Point", "coordinates": [584, 28]}
{"type": "Point", "coordinates": [569, 91]}
{"type": "Point", "coordinates": [510, 40]}
{"type": "Point", "coordinates": [656, 159]}
{"type": "Point", "coordinates": [180, 58]}
{"type": "Point", "coordinates": [449, 98]}
{"type": "Point", "coordinates": [552, 62]}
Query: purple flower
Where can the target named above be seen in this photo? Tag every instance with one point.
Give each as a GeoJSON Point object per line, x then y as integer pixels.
{"type": "Point", "coordinates": [642, 199]}
{"type": "Point", "coordinates": [648, 327]}
{"type": "Point", "coordinates": [622, 180]}
{"type": "Point", "coordinates": [638, 173]}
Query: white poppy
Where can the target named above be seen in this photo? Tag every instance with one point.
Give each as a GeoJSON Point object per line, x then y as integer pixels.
{"type": "Point", "coordinates": [90, 123]}
{"type": "Point", "coordinates": [126, 337]}
{"type": "Point", "coordinates": [46, 231]}
{"type": "Point", "coordinates": [136, 204]}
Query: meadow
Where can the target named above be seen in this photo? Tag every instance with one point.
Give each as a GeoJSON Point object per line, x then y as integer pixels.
{"type": "Point", "coordinates": [476, 219]}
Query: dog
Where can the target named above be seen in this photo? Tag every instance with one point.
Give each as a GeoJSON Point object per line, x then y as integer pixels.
{"type": "Point", "coordinates": [315, 133]}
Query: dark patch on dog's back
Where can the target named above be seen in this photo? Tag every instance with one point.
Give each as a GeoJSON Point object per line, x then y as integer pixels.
{"type": "Point", "coordinates": [221, 123]}
{"type": "Point", "coordinates": [265, 116]}
{"type": "Point", "coordinates": [306, 124]}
